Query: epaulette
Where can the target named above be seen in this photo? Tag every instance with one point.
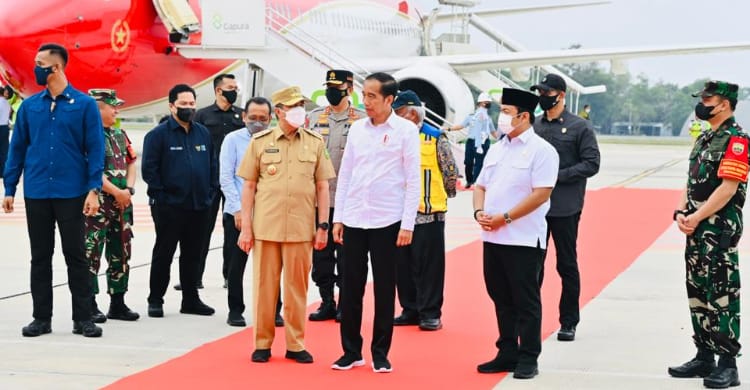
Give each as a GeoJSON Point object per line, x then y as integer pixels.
{"type": "Point", "coordinates": [262, 133]}
{"type": "Point", "coordinates": [313, 133]}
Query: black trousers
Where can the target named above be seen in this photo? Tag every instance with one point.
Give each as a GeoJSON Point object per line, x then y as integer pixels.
{"type": "Point", "coordinates": [381, 245]}
{"type": "Point", "coordinates": [473, 161]}
{"type": "Point", "coordinates": [421, 272]}
{"type": "Point", "coordinates": [326, 261]}
{"type": "Point", "coordinates": [213, 212]}
{"type": "Point", "coordinates": [564, 232]}
{"type": "Point", "coordinates": [236, 267]}
{"type": "Point", "coordinates": [176, 226]}
{"type": "Point", "coordinates": [41, 217]}
{"type": "Point", "coordinates": [4, 133]}
{"type": "Point", "coordinates": [511, 275]}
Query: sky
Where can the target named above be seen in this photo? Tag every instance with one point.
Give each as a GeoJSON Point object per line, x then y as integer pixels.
{"type": "Point", "coordinates": [629, 23]}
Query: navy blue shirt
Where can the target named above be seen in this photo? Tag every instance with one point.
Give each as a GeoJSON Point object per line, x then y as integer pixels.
{"type": "Point", "coordinates": [178, 166]}
{"type": "Point", "coordinates": [58, 146]}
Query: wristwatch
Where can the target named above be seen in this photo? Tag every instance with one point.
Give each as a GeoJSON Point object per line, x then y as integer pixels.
{"type": "Point", "coordinates": [508, 219]}
{"type": "Point", "coordinates": [324, 225]}
{"type": "Point", "coordinates": [676, 212]}
{"type": "Point", "coordinates": [131, 190]}
{"type": "Point", "coordinates": [477, 212]}
{"type": "Point", "coordinates": [96, 190]}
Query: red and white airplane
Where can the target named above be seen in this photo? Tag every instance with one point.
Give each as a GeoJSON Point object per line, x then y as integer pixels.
{"type": "Point", "coordinates": [125, 44]}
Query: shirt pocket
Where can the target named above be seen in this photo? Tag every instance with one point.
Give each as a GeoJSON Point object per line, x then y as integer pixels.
{"type": "Point", "coordinates": [307, 163]}
{"type": "Point", "coordinates": [344, 137]}
{"type": "Point", "coordinates": [519, 173]}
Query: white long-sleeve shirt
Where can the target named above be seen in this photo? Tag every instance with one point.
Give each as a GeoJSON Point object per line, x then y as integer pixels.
{"type": "Point", "coordinates": [378, 182]}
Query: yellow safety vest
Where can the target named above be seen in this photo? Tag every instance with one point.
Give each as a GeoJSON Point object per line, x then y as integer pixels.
{"type": "Point", "coordinates": [433, 197]}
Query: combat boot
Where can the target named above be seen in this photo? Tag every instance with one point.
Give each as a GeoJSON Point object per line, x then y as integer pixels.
{"type": "Point", "coordinates": [119, 311]}
{"type": "Point", "coordinates": [327, 309]}
{"type": "Point", "coordinates": [701, 366]}
{"type": "Point", "coordinates": [96, 315]}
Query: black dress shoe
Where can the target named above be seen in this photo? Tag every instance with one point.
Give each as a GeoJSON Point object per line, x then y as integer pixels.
{"type": "Point", "coordinates": [431, 324]}
{"type": "Point", "coordinates": [278, 321]}
{"type": "Point", "coordinates": [98, 317]}
{"type": "Point", "coordinates": [695, 368]}
{"type": "Point", "coordinates": [37, 328]}
{"type": "Point", "coordinates": [122, 312]}
{"type": "Point", "coordinates": [499, 364]}
{"type": "Point", "coordinates": [405, 320]}
{"type": "Point", "coordinates": [338, 317]}
{"type": "Point", "coordinates": [261, 355]}
{"type": "Point", "coordinates": [197, 308]}
{"type": "Point", "coordinates": [155, 310]}
{"type": "Point", "coordinates": [236, 319]}
{"type": "Point", "coordinates": [87, 329]}
{"type": "Point", "coordinates": [567, 333]}
{"type": "Point", "coordinates": [300, 356]}
{"type": "Point", "coordinates": [722, 378]}
{"type": "Point", "coordinates": [326, 311]}
{"type": "Point", "coordinates": [524, 371]}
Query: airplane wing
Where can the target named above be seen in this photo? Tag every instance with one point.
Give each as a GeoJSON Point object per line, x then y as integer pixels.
{"type": "Point", "coordinates": [478, 62]}
{"type": "Point", "coordinates": [442, 17]}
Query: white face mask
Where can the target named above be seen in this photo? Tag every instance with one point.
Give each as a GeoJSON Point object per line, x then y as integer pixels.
{"type": "Point", "coordinates": [296, 116]}
{"type": "Point", "coordinates": [503, 123]}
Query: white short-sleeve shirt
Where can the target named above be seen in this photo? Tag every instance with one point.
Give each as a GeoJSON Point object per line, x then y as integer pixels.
{"type": "Point", "coordinates": [512, 169]}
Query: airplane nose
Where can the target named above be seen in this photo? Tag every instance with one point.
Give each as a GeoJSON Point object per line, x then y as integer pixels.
{"type": "Point", "coordinates": [24, 26]}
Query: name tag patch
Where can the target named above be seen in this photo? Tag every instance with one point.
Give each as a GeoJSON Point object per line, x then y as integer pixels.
{"type": "Point", "coordinates": [272, 150]}
{"type": "Point", "coordinates": [175, 148]}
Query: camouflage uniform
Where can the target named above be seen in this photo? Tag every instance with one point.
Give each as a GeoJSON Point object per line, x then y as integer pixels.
{"type": "Point", "coordinates": [712, 261]}
{"type": "Point", "coordinates": [110, 224]}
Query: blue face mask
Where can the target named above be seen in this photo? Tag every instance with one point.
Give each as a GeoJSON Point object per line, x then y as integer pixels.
{"type": "Point", "coordinates": [41, 74]}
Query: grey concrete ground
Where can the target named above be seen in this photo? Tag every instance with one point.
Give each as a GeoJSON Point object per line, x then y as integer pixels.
{"type": "Point", "coordinates": [615, 348]}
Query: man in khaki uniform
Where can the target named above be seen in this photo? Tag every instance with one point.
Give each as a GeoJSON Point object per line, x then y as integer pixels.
{"type": "Point", "coordinates": [332, 122]}
{"type": "Point", "coordinates": [286, 171]}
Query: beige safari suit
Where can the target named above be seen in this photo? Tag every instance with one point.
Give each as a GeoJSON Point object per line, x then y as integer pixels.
{"type": "Point", "coordinates": [286, 171]}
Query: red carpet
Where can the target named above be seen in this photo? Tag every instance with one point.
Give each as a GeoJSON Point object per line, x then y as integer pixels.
{"type": "Point", "coordinates": [616, 227]}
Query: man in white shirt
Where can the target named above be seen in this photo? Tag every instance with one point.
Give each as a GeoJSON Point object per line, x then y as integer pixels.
{"type": "Point", "coordinates": [376, 207]}
{"type": "Point", "coordinates": [511, 200]}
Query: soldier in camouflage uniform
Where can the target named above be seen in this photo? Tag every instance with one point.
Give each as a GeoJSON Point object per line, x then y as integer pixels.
{"type": "Point", "coordinates": [332, 122]}
{"type": "Point", "coordinates": [710, 214]}
{"type": "Point", "coordinates": [112, 224]}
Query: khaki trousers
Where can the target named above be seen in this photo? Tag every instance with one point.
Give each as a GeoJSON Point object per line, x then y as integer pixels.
{"type": "Point", "coordinates": [269, 257]}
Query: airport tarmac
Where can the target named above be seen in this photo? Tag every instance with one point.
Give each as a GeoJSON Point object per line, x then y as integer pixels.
{"type": "Point", "coordinates": [628, 335]}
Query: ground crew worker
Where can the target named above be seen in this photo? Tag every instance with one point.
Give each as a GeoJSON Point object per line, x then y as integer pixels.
{"type": "Point", "coordinates": [710, 215]}
{"type": "Point", "coordinates": [575, 142]}
{"type": "Point", "coordinates": [113, 223]}
{"type": "Point", "coordinates": [286, 171]}
{"type": "Point", "coordinates": [511, 200]}
{"type": "Point", "coordinates": [421, 271]}
{"type": "Point", "coordinates": [480, 127]}
{"type": "Point", "coordinates": [333, 123]}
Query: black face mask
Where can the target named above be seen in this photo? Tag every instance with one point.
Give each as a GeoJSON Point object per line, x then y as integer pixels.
{"type": "Point", "coordinates": [703, 112]}
{"type": "Point", "coordinates": [335, 95]}
{"type": "Point", "coordinates": [231, 96]}
{"type": "Point", "coordinates": [547, 102]}
{"type": "Point", "coordinates": [185, 114]}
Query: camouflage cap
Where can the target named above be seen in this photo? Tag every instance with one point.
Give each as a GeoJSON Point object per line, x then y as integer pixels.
{"type": "Point", "coordinates": [721, 88]}
{"type": "Point", "coordinates": [288, 96]}
{"type": "Point", "coordinates": [107, 96]}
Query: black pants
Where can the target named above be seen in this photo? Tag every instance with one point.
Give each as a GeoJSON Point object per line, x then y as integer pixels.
{"type": "Point", "coordinates": [473, 161]}
{"type": "Point", "coordinates": [175, 225]}
{"type": "Point", "coordinates": [381, 245]}
{"type": "Point", "coordinates": [213, 212]}
{"type": "Point", "coordinates": [511, 275]}
{"type": "Point", "coordinates": [236, 267]}
{"type": "Point", "coordinates": [41, 217]}
{"type": "Point", "coordinates": [326, 261]}
{"type": "Point", "coordinates": [564, 232]}
{"type": "Point", "coordinates": [4, 133]}
{"type": "Point", "coordinates": [421, 272]}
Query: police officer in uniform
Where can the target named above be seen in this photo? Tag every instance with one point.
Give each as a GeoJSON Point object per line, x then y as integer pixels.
{"type": "Point", "coordinates": [220, 118]}
{"type": "Point", "coordinates": [332, 122]}
{"type": "Point", "coordinates": [511, 200]}
{"type": "Point", "coordinates": [710, 215]}
{"type": "Point", "coordinates": [113, 223]}
{"type": "Point", "coordinates": [575, 142]}
{"type": "Point", "coordinates": [286, 171]}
